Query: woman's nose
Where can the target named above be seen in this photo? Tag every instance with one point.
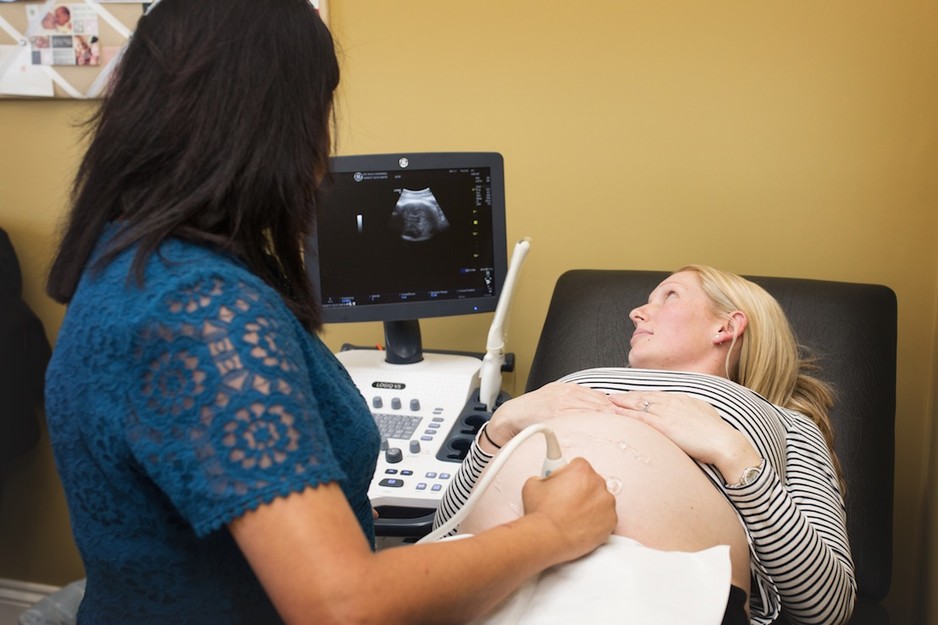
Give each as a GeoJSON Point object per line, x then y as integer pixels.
{"type": "Point", "coordinates": [637, 314]}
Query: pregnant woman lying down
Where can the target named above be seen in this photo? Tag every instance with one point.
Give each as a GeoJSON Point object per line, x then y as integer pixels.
{"type": "Point", "coordinates": [717, 435]}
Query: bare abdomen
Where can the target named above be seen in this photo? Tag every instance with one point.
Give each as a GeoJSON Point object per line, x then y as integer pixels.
{"type": "Point", "coordinates": [663, 499]}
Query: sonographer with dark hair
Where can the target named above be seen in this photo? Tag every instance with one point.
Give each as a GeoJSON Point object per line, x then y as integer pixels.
{"type": "Point", "coordinates": [215, 455]}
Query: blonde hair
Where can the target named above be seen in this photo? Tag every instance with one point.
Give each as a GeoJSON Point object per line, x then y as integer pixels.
{"type": "Point", "coordinates": [771, 362]}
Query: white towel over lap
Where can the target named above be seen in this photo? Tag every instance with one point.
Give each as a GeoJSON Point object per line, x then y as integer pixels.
{"type": "Point", "coordinates": [624, 582]}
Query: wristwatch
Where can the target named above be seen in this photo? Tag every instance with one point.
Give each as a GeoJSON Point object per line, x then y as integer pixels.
{"type": "Point", "coordinates": [748, 476]}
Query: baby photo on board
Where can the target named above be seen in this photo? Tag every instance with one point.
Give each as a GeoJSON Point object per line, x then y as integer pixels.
{"type": "Point", "coordinates": [65, 34]}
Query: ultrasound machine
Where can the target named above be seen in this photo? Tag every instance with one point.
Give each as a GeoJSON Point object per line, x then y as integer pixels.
{"type": "Point", "coordinates": [400, 238]}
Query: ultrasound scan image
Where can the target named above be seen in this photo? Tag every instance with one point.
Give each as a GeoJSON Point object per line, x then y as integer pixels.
{"type": "Point", "coordinates": [417, 216]}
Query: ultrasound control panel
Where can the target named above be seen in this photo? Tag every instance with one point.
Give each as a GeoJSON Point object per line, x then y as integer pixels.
{"type": "Point", "coordinates": [428, 414]}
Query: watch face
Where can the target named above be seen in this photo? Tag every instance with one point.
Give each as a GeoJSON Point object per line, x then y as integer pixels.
{"type": "Point", "coordinates": [749, 476]}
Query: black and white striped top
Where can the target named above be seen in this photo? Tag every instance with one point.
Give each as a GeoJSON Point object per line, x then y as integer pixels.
{"type": "Point", "coordinates": [793, 513]}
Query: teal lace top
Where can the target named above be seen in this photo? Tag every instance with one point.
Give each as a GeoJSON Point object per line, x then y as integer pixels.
{"type": "Point", "coordinates": [174, 408]}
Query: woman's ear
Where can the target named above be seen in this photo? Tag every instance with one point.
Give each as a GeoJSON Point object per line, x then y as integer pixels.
{"type": "Point", "coordinates": [732, 328]}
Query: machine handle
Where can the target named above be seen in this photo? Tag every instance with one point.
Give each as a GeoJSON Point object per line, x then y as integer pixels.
{"type": "Point", "coordinates": [404, 527]}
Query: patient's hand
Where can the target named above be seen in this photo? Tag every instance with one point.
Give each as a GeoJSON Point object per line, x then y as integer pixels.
{"type": "Point", "coordinates": [549, 401]}
{"type": "Point", "coordinates": [693, 425]}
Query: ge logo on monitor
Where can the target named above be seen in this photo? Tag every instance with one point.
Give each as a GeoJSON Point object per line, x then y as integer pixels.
{"type": "Point", "coordinates": [403, 162]}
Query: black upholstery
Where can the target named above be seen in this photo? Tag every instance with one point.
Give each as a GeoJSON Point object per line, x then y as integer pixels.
{"type": "Point", "coordinates": [24, 352]}
{"type": "Point", "coordinates": [851, 328]}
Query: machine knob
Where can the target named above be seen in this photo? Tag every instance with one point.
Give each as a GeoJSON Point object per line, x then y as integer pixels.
{"type": "Point", "coordinates": [396, 403]}
{"type": "Point", "coordinates": [415, 447]}
{"type": "Point", "coordinates": [393, 455]}
{"type": "Point", "coordinates": [415, 405]}
{"type": "Point", "coordinates": [376, 401]}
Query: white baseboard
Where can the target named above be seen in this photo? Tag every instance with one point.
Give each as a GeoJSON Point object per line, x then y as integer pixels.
{"type": "Point", "coordinates": [23, 594]}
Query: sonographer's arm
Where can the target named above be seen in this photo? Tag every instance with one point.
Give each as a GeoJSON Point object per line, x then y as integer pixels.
{"type": "Point", "coordinates": [538, 406]}
{"type": "Point", "coordinates": [316, 566]}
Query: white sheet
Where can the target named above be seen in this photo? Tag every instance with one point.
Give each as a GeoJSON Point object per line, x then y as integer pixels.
{"type": "Point", "coordinates": [624, 582]}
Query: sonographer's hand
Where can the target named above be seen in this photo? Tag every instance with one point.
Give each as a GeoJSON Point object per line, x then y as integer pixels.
{"type": "Point", "coordinates": [579, 509]}
{"type": "Point", "coordinates": [543, 404]}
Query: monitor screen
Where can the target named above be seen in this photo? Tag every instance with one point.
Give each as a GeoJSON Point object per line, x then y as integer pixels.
{"type": "Point", "coordinates": [408, 236]}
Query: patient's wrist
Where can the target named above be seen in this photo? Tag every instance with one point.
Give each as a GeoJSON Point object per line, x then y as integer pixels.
{"type": "Point", "coordinates": [488, 439]}
{"type": "Point", "coordinates": [500, 429]}
{"type": "Point", "coordinates": [737, 467]}
{"type": "Point", "coordinates": [738, 457]}
{"type": "Point", "coordinates": [748, 475]}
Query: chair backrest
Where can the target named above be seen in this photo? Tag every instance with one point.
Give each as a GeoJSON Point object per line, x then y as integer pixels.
{"type": "Point", "coordinates": [24, 352]}
{"type": "Point", "coordinates": [851, 328]}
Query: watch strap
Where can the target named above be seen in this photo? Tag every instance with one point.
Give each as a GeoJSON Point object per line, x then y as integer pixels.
{"type": "Point", "coordinates": [748, 476]}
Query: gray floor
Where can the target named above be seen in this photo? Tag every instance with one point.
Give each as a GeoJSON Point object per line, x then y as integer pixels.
{"type": "Point", "coordinates": [9, 614]}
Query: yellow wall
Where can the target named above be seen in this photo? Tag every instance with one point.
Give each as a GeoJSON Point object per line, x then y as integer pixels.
{"type": "Point", "coordinates": [774, 138]}
{"type": "Point", "coordinates": [38, 154]}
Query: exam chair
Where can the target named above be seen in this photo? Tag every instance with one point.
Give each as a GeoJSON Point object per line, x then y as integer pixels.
{"type": "Point", "coordinates": [24, 353]}
{"type": "Point", "coordinates": [851, 328]}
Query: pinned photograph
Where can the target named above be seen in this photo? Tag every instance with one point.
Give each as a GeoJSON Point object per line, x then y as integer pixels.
{"type": "Point", "coordinates": [66, 34]}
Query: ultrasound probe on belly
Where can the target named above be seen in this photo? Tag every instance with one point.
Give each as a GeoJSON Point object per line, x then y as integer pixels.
{"type": "Point", "coordinates": [553, 460]}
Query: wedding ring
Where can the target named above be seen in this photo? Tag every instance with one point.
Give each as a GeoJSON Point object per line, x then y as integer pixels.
{"type": "Point", "coordinates": [645, 406]}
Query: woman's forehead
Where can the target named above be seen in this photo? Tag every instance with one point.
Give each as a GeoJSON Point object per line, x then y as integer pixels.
{"type": "Point", "coordinates": [681, 278]}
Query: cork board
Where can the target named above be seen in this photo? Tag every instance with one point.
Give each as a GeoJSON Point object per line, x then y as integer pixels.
{"type": "Point", "coordinates": [66, 48]}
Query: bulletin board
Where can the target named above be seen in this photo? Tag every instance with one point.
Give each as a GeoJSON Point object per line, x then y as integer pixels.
{"type": "Point", "coordinates": [66, 48]}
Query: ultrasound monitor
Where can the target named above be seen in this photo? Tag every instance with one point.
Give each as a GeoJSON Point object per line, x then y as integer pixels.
{"type": "Point", "coordinates": [401, 237]}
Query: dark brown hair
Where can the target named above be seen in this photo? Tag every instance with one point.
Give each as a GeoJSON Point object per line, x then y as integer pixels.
{"type": "Point", "coordinates": [215, 129]}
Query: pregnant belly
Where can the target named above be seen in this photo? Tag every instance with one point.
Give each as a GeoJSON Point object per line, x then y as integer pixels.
{"type": "Point", "coordinates": [663, 499]}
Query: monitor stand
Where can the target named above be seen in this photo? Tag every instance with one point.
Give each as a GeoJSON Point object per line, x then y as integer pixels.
{"type": "Point", "coordinates": [402, 342]}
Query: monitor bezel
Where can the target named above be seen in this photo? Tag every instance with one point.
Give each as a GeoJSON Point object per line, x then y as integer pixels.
{"type": "Point", "coordinates": [415, 310]}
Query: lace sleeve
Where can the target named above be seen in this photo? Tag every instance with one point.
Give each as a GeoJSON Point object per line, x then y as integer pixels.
{"type": "Point", "coordinates": [224, 418]}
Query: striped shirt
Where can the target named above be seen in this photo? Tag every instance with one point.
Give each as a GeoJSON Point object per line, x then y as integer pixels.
{"type": "Point", "coordinates": [793, 512]}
